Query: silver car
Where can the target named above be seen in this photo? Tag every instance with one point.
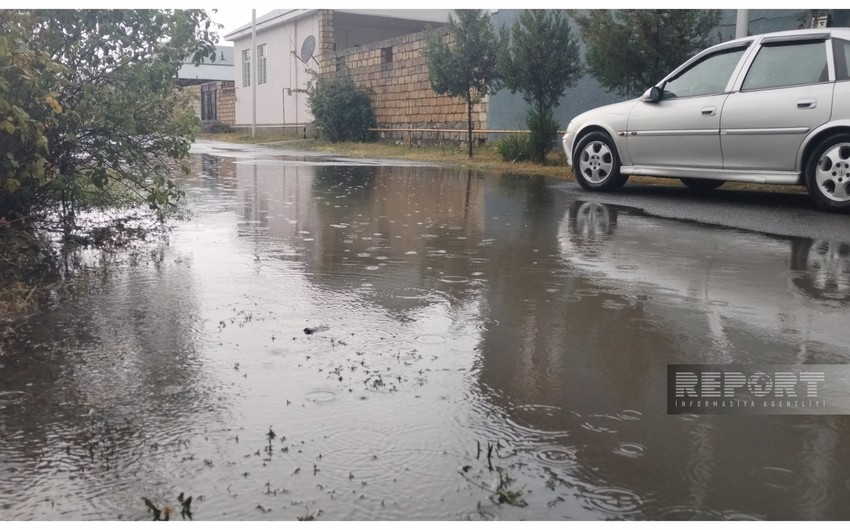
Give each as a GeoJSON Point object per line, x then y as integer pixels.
{"type": "Point", "coordinates": [771, 109]}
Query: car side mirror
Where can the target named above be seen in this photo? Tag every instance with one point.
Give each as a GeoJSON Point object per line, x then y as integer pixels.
{"type": "Point", "coordinates": [654, 95]}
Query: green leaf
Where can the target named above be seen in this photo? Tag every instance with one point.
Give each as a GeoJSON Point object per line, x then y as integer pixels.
{"type": "Point", "coordinates": [12, 185]}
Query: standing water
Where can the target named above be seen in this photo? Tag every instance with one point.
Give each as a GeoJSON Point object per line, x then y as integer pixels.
{"type": "Point", "coordinates": [341, 340]}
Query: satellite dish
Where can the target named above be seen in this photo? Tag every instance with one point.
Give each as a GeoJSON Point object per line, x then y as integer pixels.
{"type": "Point", "coordinates": [307, 49]}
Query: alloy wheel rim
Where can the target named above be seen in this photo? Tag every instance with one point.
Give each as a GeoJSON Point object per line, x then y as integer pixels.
{"type": "Point", "coordinates": [596, 162]}
{"type": "Point", "coordinates": [833, 173]}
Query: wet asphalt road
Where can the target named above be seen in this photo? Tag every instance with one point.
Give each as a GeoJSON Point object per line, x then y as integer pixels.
{"type": "Point", "coordinates": [777, 213]}
{"type": "Point", "coordinates": [452, 316]}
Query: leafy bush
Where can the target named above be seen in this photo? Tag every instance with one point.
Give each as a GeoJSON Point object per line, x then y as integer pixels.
{"type": "Point", "coordinates": [342, 111]}
{"type": "Point", "coordinates": [514, 148]}
{"type": "Point", "coordinates": [544, 132]}
{"type": "Point", "coordinates": [88, 103]}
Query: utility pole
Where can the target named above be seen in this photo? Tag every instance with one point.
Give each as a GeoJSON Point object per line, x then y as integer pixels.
{"type": "Point", "coordinates": [742, 25]}
{"type": "Point", "coordinates": [253, 75]}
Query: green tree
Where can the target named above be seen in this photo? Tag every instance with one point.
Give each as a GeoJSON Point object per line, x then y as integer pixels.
{"type": "Point", "coordinates": [88, 102]}
{"type": "Point", "coordinates": [466, 68]}
{"type": "Point", "coordinates": [539, 56]}
{"type": "Point", "coordinates": [342, 111]}
{"type": "Point", "coordinates": [630, 50]}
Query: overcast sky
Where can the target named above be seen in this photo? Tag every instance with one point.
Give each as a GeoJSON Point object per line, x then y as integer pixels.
{"type": "Point", "coordinates": [233, 17]}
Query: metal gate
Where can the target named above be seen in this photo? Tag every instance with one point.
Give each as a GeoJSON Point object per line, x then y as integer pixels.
{"type": "Point", "coordinates": [208, 103]}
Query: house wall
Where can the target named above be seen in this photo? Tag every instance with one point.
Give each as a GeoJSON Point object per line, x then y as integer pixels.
{"type": "Point", "coordinates": [401, 93]}
{"type": "Point", "coordinates": [278, 102]}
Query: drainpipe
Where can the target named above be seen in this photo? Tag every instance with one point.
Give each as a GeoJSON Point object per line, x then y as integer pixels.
{"type": "Point", "coordinates": [742, 25]}
{"type": "Point", "coordinates": [253, 57]}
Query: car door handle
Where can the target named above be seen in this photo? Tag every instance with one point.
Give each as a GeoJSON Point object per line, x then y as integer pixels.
{"type": "Point", "coordinates": [709, 111]}
{"type": "Point", "coordinates": [807, 103]}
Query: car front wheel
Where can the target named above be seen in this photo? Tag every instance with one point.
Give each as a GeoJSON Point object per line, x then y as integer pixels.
{"type": "Point", "coordinates": [597, 165]}
{"type": "Point", "coordinates": [828, 174]}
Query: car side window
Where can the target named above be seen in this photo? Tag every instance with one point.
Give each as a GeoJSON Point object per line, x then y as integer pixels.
{"type": "Point", "coordinates": [788, 64]}
{"type": "Point", "coordinates": [708, 76]}
{"type": "Point", "coordinates": [841, 51]}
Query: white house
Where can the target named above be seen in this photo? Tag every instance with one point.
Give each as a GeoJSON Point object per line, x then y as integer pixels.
{"type": "Point", "coordinates": [221, 69]}
{"type": "Point", "coordinates": [293, 42]}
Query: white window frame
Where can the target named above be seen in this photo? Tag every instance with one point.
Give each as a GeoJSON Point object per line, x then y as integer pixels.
{"type": "Point", "coordinates": [246, 67]}
{"type": "Point", "coordinates": [262, 69]}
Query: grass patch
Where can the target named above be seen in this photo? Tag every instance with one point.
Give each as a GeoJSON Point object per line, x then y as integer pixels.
{"type": "Point", "coordinates": [25, 261]}
{"type": "Point", "coordinates": [16, 298]}
{"type": "Point", "coordinates": [245, 137]}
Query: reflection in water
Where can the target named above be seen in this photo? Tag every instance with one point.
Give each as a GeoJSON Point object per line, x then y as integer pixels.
{"type": "Point", "coordinates": [110, 380]}
{"type": "Point", "coordinates": [473, 340]}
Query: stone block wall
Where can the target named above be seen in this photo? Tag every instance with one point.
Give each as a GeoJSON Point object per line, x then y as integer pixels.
{"type": "Point", "coordinates": [326, 41]}
{"type": "Point", "coordinates": [395, 72]}
{"type": "Point", "coordinates": [226, 102]}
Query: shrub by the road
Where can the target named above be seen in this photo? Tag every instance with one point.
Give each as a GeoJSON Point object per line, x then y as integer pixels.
{"type": "Point", "coordinates": [514, 148]}
{"type": "Point", "coordinates": [342, 111]}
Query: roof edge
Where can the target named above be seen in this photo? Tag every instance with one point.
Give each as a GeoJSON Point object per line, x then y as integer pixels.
{"type": "Point", "coordinates": [275, 20]}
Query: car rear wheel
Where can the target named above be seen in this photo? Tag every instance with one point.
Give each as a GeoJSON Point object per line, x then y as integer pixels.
{"type": "Point", "coordinates": [828, 174]}
{"type": "Point", "coordinates": [702, 185]}
{"type": "Point", "coordinates": [597, 165]}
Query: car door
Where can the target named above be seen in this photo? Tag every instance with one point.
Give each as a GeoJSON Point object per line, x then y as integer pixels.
{"type": "Point", "coordinates": [683, 128]}
{"type": "Point", "coordinates": [785, 93]}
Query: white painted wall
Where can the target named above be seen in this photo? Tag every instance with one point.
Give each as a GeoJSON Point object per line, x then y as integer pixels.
{"type": "Point", "coordinates": [275, 104]}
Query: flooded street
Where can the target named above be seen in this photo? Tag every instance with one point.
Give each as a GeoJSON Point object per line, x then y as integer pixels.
{"type": "Point", "coordinates": [355, 340]}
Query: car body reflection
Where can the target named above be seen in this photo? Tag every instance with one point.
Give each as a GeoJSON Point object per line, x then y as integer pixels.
{"type": "Point", "coordinates": [792, 289]}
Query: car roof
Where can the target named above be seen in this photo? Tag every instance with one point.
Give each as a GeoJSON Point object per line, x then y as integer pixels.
{"type": "Point", "coordinates": [837, 32]}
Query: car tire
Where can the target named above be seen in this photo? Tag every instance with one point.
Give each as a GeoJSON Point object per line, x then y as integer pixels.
{"type": "Point", "coordinates": [820, 269]}
{"type": "Point", "coordinates": [596, 163]}
{"type": "Point", "coordinates": [591, 222]}
{"type": "Point", "coordinates": [827, 175]}
{"type": "Point", "coordinates": [701, 185]}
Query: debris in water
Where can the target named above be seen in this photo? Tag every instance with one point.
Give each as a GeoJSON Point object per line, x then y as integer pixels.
{"type": "Point", "coordinates": [308, 516]}
{"type": "Point", "coordinates": [185, 506]}
{"type": "Point", "coordinates": [153, 508]}
{"type": "Point", "coordinates": [315, 329]}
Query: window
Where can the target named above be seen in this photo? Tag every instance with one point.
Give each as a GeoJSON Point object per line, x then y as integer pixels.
{"type": "Point", "coordinates": [779, 65]}
{"type": "Point", "coordinates": [246, 67]}
{"type": "Point", "coordinates": [841, 50]}
{"type": "Point", "coordinates": [262, 72]}
{"type": "Point", "coordinates": [386, 55]}
{"type": "Point", "coordinates": [708, 76]}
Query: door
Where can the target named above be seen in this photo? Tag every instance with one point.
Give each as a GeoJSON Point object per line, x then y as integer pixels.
{"type": "Point", "coordinates": [785, 94]}
{"type": "Point", "coordinates": [683, 129]}
{"type": "Point", "coordinates": [208, 102]}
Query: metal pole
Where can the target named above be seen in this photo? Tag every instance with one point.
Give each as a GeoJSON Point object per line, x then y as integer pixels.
{"type": "Point", "coordinates": [253, 74]}
{"type": "Point", "coordinates": [742, 25]}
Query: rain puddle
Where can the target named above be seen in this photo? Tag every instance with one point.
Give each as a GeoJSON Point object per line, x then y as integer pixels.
{"type": "Point", "coordinates": [329, 341]}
